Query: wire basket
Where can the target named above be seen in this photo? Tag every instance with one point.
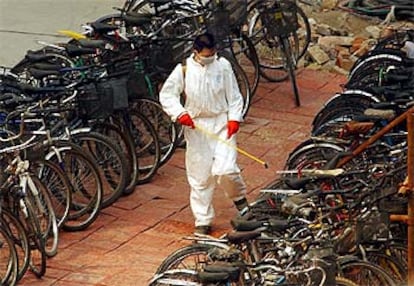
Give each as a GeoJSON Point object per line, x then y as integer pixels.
{"type": "Point", "coordinates": [238, 12]}
{"type": "Point", "coordinates": [394, 205]}
{"type": "Point", "coordinates": [99, 100]}
{"type": "Point", "coordinates": [219, 25]}
{"type": "Point", "coordinates": [226, 16]}
{"type": "Point", "coordinates": [280, 17]}
{"type": "Point", "coordinates": [372, 228]}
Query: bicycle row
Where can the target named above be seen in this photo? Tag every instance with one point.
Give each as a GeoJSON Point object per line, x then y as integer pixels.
{"type": "Point", "coordinates": [326, 219]}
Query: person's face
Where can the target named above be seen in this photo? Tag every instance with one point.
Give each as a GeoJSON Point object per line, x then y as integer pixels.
{"type": "Point", "coordinates": [205, 56]}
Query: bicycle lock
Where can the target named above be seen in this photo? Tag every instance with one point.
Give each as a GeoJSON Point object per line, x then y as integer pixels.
{"type": "Point", "coordinates": [241, 151]}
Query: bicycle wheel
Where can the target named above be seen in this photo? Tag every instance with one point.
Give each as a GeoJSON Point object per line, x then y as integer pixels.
{"type": "Point", "coordinates": [165, 128]}
{"type": "Point", "coordinates": [352, 100]}
{"type": "Point", "coordinates": [270, 54]}
{"type": "Point", "coordinates": [8, 259]}
{"type": "Point", "coordinates": [176, 277]}
{"type": "Point", "coordinates": [400, 252]}
{"type": "Point", "coordinates": [146, 146]}
{"type": "Point", "coordinates": [364, 273]}
{"type": "Point", "coordinates": [246, 55]}
{"type": "Point", "coordinates": [340, 281]}
{"type": "Point", "coordinates": [119, 134]}
{"type": "Point", "coordinates": [311, 155]}
{"type": "Point", "coordinates": [43, 210]}
{"type": "Point", "coordinates": [370, 71]}
{"type": "Point", "coordinates": [86, 185]}
{"type": "Point", "coordinates": [111, 160]}
{"type": "Point", "coordinates": [57, 184]}
{"type": "Point", "coordinates": [389, 264]}
{"type": "Point", "coordinates": [242, 81]}
{"type": "Point", "coordinates": [52, 56]}
{"type": "Point", "coordinates": [17, 233]}
{"type": "Point", "coordinates": [38, 255]}
{"type": "Point", "coordinates": [192, 257]}
{"type": "Point", "coordinates": [290, 67]}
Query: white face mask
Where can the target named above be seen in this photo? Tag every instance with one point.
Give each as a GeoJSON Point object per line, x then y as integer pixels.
{"type": "Point", "coordinates": [207, 60]}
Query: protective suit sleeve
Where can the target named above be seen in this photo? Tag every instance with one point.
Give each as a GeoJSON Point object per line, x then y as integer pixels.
{"type": "Point", "coordinates": [171, 92]}
{"type": "Point", "coordinates": [233, 95]}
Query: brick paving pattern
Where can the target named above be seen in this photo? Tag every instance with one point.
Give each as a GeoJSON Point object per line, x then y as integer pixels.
{"type": "Point", "coordinates": [130, 239]}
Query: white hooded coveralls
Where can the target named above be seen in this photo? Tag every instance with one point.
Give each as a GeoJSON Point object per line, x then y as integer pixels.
{"type": "Point", "coordinates": [212, 98]}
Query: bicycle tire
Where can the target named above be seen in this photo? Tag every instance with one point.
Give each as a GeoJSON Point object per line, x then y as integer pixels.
{"type": "Point", "coordinates": [38, 255]}
{"type": "Point", "coordinates": [86, 185]}
{"type": "Point", "coordinates": [197, 254]}
{"type": "Point", "coordinates": [9, 259]}
{"type": "Point", "coordinates": [389, 264]}
{"type": "Point", "coordinates": [114, 130]}
{"type": "Point", "coordinates": [18, 234]}
{"type": "Point", "coordinates": [368, 72]}
{"type": "Point", "coordinates": [177, 277]}
{"type": "Point", "coordinates": [111, 160]}
{"type": "Point", "coordinates": [304, 31]}
{"type": "Point", "coordinates": [399, 251]}
{"type": "Point", "coordinates": [246, 55]}
{"type": "Point", "coordinates": [57, 184]}
{"type": "Point", "coordinates": [44, 213]}
{"type": "Point", "coordinates": [341, 281]}
{"type": "Point", "coordinates": [360, 271]}
{"type": "Point", "coordinates": [242, 81]}
{"type": "Point", "coordinates": [56, 57]}
{"type": "Point", "coordinates": [162, 123]}
{"type": "Point", "coordinates": [355, 99]}
{"type": "Point", "coordinates": [375, 54]}
{"type": "Point", "coordinates": [146, 146]}
{"type": "Point", "coordinates": [274, 70]}
{"type": "Point", "coordinates": [291, 67]}
{"type": "Point", "coordinates": [311, 154]}
{"type": "Point", "coordinates": [331, 130]}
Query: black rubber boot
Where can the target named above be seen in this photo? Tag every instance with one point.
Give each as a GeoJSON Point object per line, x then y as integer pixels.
{"type": "Point", "coordinates": [241, 204]}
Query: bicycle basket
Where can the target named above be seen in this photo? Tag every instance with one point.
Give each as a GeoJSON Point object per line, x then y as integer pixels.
{"type": "Point", "coordinates": [35, 152]}
{"type": "Point", "coordinates": [225, 17]}
{"type": "Point", "coordinates": [165, 55]}
{"type": "Point", "coordinates": [218, 24]}
{"type": "Point", "coordinates": [238, 11]}
{"type": "Point", "coordinates": [394, 205]}
{"type": "Point", "coordinates": [95, 102]}
{"type": "Point", "coordinates": [372, 228]}
{"type": "Point", "coordinates": [280, 18]}
{"type": "Point", "coordinates": [120, 92]}
{"type": "Point", "coordinates": [99, 100]}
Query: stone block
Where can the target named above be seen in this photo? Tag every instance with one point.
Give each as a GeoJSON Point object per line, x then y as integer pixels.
{"type": "Point", "coordinates": [329, 4]}
{"type": "Point", "coordinates": [323, 29]}
{"type": "Point", "coordinates": [332, 41]}
{"type": "Point", "coordinates": [318, 55]}
{"type": "Point", "coordinates": [345, 61]}
{"type": "Point", "coordinates": [374, 31]}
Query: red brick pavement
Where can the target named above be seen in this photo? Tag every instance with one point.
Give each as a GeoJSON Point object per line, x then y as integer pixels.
{"type": "Point", "coordinates": [129, 239]}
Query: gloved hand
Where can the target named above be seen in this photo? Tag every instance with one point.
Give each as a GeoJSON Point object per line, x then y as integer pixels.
{"type": "Point", "coordinates": [232, 128]}
{"type": "Point", "coordinates": [185, 119]}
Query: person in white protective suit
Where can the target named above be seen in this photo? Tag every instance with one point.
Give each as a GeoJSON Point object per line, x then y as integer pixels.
{"type": "Point", "coordinates": [212, 102]}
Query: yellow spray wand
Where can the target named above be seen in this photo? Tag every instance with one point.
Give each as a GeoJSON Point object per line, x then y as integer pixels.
{"type": "Point", "coordinates": [241, 151]}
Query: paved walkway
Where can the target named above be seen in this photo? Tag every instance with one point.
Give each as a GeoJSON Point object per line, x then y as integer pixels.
{"type": "Point", "coordinates": [130, 239]}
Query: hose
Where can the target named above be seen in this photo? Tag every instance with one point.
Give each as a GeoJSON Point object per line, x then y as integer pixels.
{"type": "Point", "coordinates": [386, 9]}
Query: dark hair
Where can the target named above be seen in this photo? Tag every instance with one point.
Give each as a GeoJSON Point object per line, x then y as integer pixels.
{"type": "Point", "coordinates": [205, 40]}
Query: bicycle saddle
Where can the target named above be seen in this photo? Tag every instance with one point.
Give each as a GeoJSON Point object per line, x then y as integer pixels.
{"type": "Point", "coordinates": [137, 19]}
{"type": "Point", "coordinates": [102, 27]}
{"type": "Point", "coordinates": [39, 74]}
{"type": "Point", "coordinates": [232, 271]}
{"type": "Point", "coordinates": [89, 43]}
{"type": "Point", "coordinates": [74, 51]}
